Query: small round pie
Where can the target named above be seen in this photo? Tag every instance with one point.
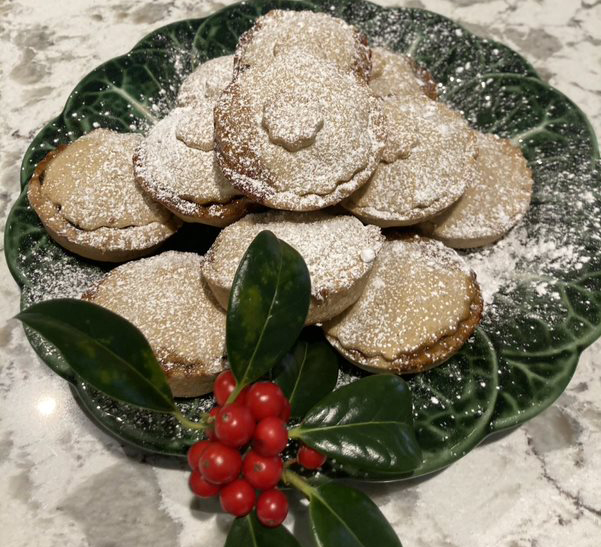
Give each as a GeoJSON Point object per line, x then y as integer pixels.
{"type": "Point", "coordinates": [186, 179]}
{"type": "Point", "coordinates": [298, 134]}
{"type": "Point", "coordinates": [207, 82]}
{"type": "Point", "coordinates": [339, 252]}
{"type": "Point", "coordinates": [320, 35]}
{"type": "Point", "coordinates": [396, 74]}
{"type": "Point", "coordinates": [86, 197]}
{"type": "Point", "coordinates": [428, 160]}
{"type": "Point", "coordinates": [420, 305]}
{"type": "Point", "coordinates": [496, 200]}
{"type": "Point", "coordinates": [167, 299]}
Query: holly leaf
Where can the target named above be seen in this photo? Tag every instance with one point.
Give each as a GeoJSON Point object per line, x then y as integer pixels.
{"type": "Point", "coordinates": [268, 306]}
{"type": "Point", "coordinates": [366, 426]}
{"type": "Point", "coordinates": [249, 532]}
{"type": "Point", "coordinates": [307, 374]}
{"type": "Point", "coordinates": [341, 515]}
{"type": "Point", "coordinates": [104, 349]}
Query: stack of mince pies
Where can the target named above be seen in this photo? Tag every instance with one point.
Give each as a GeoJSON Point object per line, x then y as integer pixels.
{"type": "Point", "coordinates": [341, 150]}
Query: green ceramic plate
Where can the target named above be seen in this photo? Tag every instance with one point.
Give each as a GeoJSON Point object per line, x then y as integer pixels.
{"type": "Point", "coordinates": [542, 282]}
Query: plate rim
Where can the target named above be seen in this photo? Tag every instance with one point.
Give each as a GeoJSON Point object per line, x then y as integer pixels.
{"type": "Point", "coordinates": [138, 47]}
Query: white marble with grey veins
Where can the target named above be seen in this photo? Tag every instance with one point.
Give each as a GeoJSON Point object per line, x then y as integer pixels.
{"type": "Point", "coordinates": [65, 483]}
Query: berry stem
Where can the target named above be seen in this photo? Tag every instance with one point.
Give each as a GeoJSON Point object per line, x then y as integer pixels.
{"type": "Point", "coordinates": [189, 424]}
{"type": "Point", "coordinates": [234, 394]}
{"type": "Point", "coordinates": [293, 433]}
{"type": "Point", "coordinates": [293, 479]}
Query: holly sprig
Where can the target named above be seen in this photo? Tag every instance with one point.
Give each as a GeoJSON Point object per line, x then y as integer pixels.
{"type": "Point", "coordinates": [365, 427]}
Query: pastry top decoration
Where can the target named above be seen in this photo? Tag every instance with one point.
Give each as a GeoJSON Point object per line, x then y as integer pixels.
{"type": "Point", "coordinates": [298, 134]}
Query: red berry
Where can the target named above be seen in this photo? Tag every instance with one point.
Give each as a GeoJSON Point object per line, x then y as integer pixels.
{"type": "Point", "coordinates": [286, 410]}
{"type": "Point", "coordinates": [224, 384]}
{"type": "Point", "coordinates": [234, 425]}
{"type": "Point", "coordinates": [237, 498]}
{"type": "Point", "coordinates": [219, 463]}
{"type": "Point", "coordinates": [271, 436]}
{"type": "Point", "coordinates": [263, 473]}
{"type": "Point", "coordinates": [272, 508]}
{"type": "Point", "coordinates": [241, 398]}
{"type": "Point", "coordinates": [309, 458]}
{"type": "Point", "coordinates": [210, 430]}
{"type": "Point", "coordinates": [201, 487]}
{"type": "Point", "coordinates": [194, 453]}
{"type": "Point", "coordinates": [265, 399]}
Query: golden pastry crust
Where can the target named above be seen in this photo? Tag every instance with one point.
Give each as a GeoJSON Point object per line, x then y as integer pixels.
{"type": "Point", "coordinates": [419, 307]}
{"type": "Point", "coordinates": [318, 34]}
{"type": "Point", "coordinates": [185, 180]}
{"type": "Point", "coordinates": [214, 214]}
{"type": "Point", "coordinates": [397, 74]}
{"type": "Point", "coordinates": [495, 201]}
{"type": "Point", "coordinates": [428, 160]}
{"type": "Point", "coordinates": [299, 134]}
{"type": "Point", "coordinates": [105, 243]}
{"type": "Point", "coordinates": [207, 81]}
{"type": "Point", "coordinates": [339, 252]}
{"type": "Point", "coordinates": [166, 298]}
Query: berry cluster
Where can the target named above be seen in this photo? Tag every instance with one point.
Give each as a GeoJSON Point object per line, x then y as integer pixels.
{"type": "Point", "coordinates": [255, 424]}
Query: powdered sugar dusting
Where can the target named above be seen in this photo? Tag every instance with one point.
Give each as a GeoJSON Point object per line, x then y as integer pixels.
{"type": "Point", "coordinates": [55, 275]}
{"type": "Point", "coordinates": [394, 74]}
{"type": "Point", "coordinates": [92, 181]}
{"type": "Point", "coordinates": [318, 34]}
{"type": "Point", "coordinates": [542, 256]}
{"type": "Point", "coordinates": [195, 126]}
{"type": "Point", "coordinates": [52, 277]}
{"type": "Point", "coordinates": [496, 200]}
{"type": "Point", "coordinates": [418, 292]}
{"type": "Point", "coordinates": [341, 156]}
{"type": "Point", "coordinates": [207, 82]}
{"type": "Point", "coordinates": [166, 298]}
{"type": "Point", "coordinates": [338, 250]}
{"type": "Point", "coordinates": [430, 177]}
{"type": "Point", "coordinates": [174, 170]}
{"type": "Point", "coordinates": [519, 258]}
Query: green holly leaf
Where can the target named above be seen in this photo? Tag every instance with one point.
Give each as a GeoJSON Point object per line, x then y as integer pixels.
{"type": "Point", "coordinates": [307, 374]}
{"type": "Point", "coordinates": [366, 427]}
{"type": "Point", "coordinates": [268, 306]}
{"type": "Point", "coordinates": [343, 516]}
{"type": "Point", "coordinates": [104, 349]}
{"type": "Point", "coordinates": [249, 532]}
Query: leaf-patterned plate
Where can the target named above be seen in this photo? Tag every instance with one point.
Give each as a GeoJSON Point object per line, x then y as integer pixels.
{"type": "Point", "coordinates": [542, 283]}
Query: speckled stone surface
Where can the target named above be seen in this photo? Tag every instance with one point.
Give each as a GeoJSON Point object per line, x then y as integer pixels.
{"type": "Point", "coordinates": [65, 483]}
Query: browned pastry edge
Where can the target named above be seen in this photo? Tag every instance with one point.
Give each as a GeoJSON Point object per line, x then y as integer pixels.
{"type": "Point", "coordinates": [361, 65]}
{"type": "Point", "coordinates": [185, 378]}
{"type": "Point", "coordinates": [213, 214]}
{"type": "Point", "coordinates": [426, 356]}
{"type": "Point", "coordinates": [189, 380]}
{"type": "Point", "coordinates": [428, 227]}
{"type": "Point", "coordinates": [69, 236]}
{"type": "Point", "coordinates": [251, 168]}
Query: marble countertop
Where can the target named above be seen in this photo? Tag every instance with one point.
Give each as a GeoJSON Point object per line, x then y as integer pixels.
{"type": "Point", "coordinates": [64, 482]}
